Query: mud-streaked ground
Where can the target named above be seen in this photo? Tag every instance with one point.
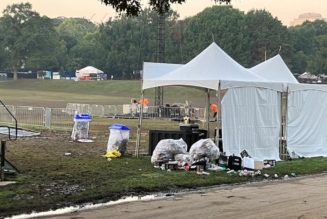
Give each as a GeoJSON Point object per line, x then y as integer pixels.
{"type": "Point", "coordinates": [304, 197]}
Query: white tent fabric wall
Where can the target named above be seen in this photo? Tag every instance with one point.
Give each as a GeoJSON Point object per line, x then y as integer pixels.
{"type": "Point", "coordinates": [251, 121]}
{"type": "Point", "coordinates": [307, 120]}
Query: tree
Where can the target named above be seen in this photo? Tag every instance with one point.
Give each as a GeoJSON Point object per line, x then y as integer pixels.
{"type": "Point", "coordinates": [133, 7]}
{"type": "Point", "coordinates": [318, 61]}
{"type": "Point", "coordinates": [266, 37]}
{"type": "Point", "coordinates": [79, 37]}
{"type": "Point", "coordinates": [305, 40]}
{"type": "Point", "coordinates": [27, 39]}
{"type": "Point", "coordinates": [126, 42]}
{"type": "Point", "coordinates": [221, 24]}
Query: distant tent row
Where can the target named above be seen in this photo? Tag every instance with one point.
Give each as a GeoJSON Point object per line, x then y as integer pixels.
{"type": "Point", "coordinates": [251, 107]}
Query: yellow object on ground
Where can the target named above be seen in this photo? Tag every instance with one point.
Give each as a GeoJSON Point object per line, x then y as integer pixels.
{"type": "Point", "coordinates": [112, 154]}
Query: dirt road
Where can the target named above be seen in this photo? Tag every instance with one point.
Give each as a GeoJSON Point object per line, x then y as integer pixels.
{"type": "Point", "coordinates": [294, 198]}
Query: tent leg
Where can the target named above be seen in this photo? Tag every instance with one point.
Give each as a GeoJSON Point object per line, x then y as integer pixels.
{"type": "Point", "coordinates": [2, 163]}
{"type": "Point", "coordinates": [139, 128]}
{"type": "Point", "coordinates": [218, 115]}
{"type": "Point", "coordinates": [208, 113]}
{"type": "Point", "coordinates": [284, 142]}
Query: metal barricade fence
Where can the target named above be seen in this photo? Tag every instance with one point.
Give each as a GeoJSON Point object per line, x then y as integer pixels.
{"type": "Point", "coordinates": [5, 117]}
{"type": "Point", "coordinates": [112, 110]}
{"type": "Point", "coordinates": [62, 117]}
{"type": "Point", "coordinates": [59, 118]}
{"type": "Point", "coordinates": [28, 115]}
{"type": "Point", "coordinates": [79, 107]}
{"type": "Point", "coordinates": [96, 110]}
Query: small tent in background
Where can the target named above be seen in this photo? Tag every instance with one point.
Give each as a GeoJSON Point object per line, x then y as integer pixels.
{"type": "Point", "coordinates": [90, 73]}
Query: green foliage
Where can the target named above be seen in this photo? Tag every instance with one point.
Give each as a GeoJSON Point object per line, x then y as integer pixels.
{"type": "Point", "coordinates": [120, 46]}
{"type": "Point", "coordinates": [28, 40]}
{"type": "Point", "coordinates": [318, 60]}
{"type": "Point", "coordinates": [127, 42]}
{"type": "Point", "coordinates": [133, 8]}
{"type": "Point", "coordinates": [306, 39]}
{"type": "Point", "coordinates": [266, 37]}
{"type": "Point", "coordinates": [221, 24]}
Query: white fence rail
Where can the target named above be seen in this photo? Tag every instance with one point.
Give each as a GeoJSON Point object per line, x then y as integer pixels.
{"type": "Point", "coordinates": [62, 118]}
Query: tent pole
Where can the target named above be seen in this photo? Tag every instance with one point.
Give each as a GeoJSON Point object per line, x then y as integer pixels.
{"type": "Point", "coordinates": [208, 113]}
{"type": "Point", "coordinates": [139, 127]}
{"type": "Point", "coordinates": [285, 126]}
{"type": "Point", "coordinates": [218, 114]}
{"type": "Point", "coordinates": [282, 126]}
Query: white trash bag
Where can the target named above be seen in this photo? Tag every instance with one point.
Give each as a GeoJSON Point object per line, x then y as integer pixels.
{"type": "Point", "coordinates": [204, 148]}
{"type": "Point", "coordinates": [184, 158]}
{"type": "Point", "coordinates": [166, 150]}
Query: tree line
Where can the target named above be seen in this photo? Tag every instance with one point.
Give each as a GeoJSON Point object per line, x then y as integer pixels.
{"type": "Point", "coordinates": [121, 45]}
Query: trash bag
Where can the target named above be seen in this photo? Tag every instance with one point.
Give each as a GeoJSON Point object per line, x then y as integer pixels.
{"type": "Point", "coordinates": [183, 158]}
{"type": "Point", "coordinates": [118, 138]}
{"type": "Point", "coordinates": [204, 148]}
{"type": "Point", "coordinates": [166, 149]}
{"type": "Point", "coordinates": [112, 154]}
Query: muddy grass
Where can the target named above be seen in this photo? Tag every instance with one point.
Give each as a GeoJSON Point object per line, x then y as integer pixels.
{"type": "Point", "coordinates": [49, 179]}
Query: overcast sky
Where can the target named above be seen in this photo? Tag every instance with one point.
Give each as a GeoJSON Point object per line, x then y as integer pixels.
{"type": "Point", "coordinates": [285, 10]}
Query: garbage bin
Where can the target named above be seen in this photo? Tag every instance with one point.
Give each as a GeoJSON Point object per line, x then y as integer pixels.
{"type": "Point", "coordinates": [81, 126]}
{"type": "Point", "coordinates": [118, 138]}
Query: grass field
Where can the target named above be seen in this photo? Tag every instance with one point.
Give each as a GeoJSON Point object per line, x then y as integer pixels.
{"type": "Point", "coordinates": [57, 93]}
{"type": "Point", "coordinates": [49, 179]}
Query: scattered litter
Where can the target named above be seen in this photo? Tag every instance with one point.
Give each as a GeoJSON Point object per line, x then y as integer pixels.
{"type": "Point", "coordinates": [271, 163]}
{"type": "Point", "coordinates": [244, 153]}
{"type": "Point", "coordinates": [275, 176]}
{"type": "Point", "coordinates": [286, 176]}
{"type": "Point", "coordinates": [293, 174]}
{"type": "Point", "coordinates": [68, 154]}
{"type": "Point", "coordinates": [112, 154]}
{"type": "Point", "coordinates": [235, 162]}
{"type": "Point", "coordinates": [231, 172]}
{"type": "Point", "coordinates": [253, 164]}
{"type": "Point", "coordinates": [85, 140]}
{"type": "Point", "coordinates": [266, 175]}
{"type": "Point", "coordinates": [266, 166]}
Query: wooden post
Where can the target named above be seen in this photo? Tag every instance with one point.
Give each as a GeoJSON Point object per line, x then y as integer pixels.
{"type": "Point", "coordinates": [2, 163]}
{"type": "Point", "coordinates": [139, 127]}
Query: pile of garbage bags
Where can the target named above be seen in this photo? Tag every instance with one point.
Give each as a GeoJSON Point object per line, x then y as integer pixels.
{"type": "Point", "coordinates": [176, 150]}
{"type": "Point", "coordinates": [170, 154]}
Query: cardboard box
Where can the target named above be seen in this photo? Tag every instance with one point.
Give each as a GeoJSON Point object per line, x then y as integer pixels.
{"type": "Point", "coordinates": [250, 163]}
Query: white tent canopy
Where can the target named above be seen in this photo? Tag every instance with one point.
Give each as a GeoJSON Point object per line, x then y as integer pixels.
{"type": "Point", "coordinates": [205, 70]}
{"type": "Point", "coordinates": [153, 70]}
{"type": "Point", "coordinates": [274, 70]}
{"type": "Point", "coordinates": [89, 70]}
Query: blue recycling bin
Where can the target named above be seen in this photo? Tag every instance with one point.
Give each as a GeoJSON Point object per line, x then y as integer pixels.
{"type": "Point", "coordinates": [81, 126]}
{"type": "Point", "coordinates": [118, 138]}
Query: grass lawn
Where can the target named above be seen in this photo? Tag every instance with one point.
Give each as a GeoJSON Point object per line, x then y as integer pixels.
{"type": "Point", "coordinates": [57, 93]}
{"type": "Point", "coordinates": [49, 179]}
